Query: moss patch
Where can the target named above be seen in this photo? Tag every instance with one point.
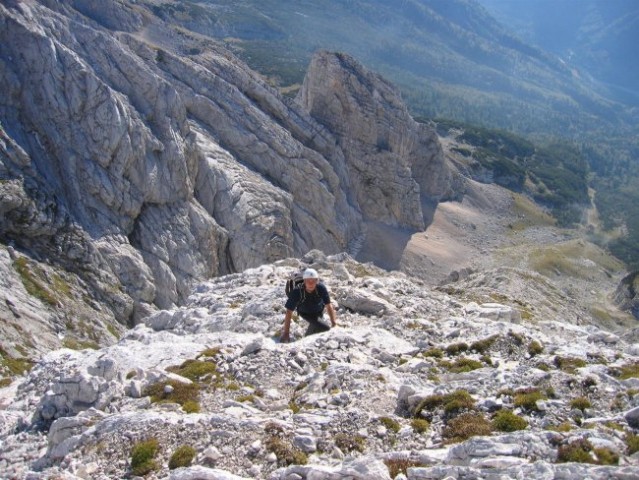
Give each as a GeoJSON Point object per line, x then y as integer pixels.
{"type": "Point", "coordinates": [184, 394]}
{"type": "Point", "coordinates": [34, 280]}
{"type": "Point", "coordinates": [14, 366]}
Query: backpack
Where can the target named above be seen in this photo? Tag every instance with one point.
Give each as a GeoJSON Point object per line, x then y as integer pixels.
{"type": "Point", "coordinates": [295, 280]}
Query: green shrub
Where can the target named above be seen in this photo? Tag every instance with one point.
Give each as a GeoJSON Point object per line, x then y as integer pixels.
{"type": "Point", "coordinates": [582, 451]}
{"type": "Point", "coordinates": [465, 426]}
{"type": "Point", "coordinates": [535, 348]}
{"type": "Point", "coordinates": [576, 451]}
{"type": "Point", "coordinates": [142, 457]}
{"type": "Point", "coordinates": [390, 424]}
{"type": "Point", "coordinates": [191, 406]}
{"type": "Point", "coordinates": [482, 346]}
{"type": "Point", "coordinates": [182, 457]}
{"type": "Point", "coordinates": [456, 348]}
{"type": "Point", "coordinates": [461, 365]}
{"type": "Point", "coordinates": [434, 352]}
{"type": "Point", "coordinates": [458, 401]}
{"type": "Point", "coordinates": [562, 427]}
{"type": "Point", "coordinates": [285, 452]}
{"type": "Point", "coordinates": [580, 403]}
{"type": "Point", "coordinates": [528, 399]}
{"type": "Point", "coordinates": [420, 425]}
{"type": "Point", "coordinates": [452, 403]}
{"type": "Point", "coordinates": [5, 382]}
{"type": "Point", "coordinates": [507, 421]}
{"type": "Point", "coordinates": [350, 442]}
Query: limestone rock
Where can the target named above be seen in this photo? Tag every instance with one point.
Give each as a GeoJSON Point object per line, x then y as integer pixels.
{"type": "Point", "coordinates": [393, 160]}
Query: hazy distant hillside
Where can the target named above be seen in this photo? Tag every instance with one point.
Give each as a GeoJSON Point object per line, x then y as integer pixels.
{"type": "Point", "coordinates": [597, 36]}
{"type": "Point", "coordinates": [450, 58]}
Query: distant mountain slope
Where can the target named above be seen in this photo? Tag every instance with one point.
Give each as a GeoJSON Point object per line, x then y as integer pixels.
{"type": "Point", "coordinates": [450, 58]}
{"type": "Point", "coordinates": [597, 36]}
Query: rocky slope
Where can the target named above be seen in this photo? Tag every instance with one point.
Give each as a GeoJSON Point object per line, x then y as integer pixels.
{"type": "Point", "coordinates": [413, 380]}
{"type": "Point", "coordinates": [142, 158]}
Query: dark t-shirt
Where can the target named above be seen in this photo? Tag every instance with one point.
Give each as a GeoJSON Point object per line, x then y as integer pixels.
{"type": "Point", "coordinates": [306, 302]}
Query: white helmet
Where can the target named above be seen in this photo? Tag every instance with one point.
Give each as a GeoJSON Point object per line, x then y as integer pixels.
{"type": "Point", "coordinates": [310, 273]}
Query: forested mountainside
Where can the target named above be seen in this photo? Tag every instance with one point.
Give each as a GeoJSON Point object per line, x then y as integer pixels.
{"type": "Point", "coordinates": [597, 37]}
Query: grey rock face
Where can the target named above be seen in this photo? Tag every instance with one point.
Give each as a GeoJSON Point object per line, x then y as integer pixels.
{"type": "Point", "coordinates": [146, 170]}
{"type": "Point", "coordinates": [626, 295]}
{"type": "Point", "coordinates": [393, 160]}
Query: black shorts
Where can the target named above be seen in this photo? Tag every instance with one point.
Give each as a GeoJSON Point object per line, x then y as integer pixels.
{"type": "Point", "coordinates": [314, 324]}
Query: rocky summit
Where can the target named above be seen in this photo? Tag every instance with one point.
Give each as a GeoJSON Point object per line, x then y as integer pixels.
{"type": "Point", "coordinates": [413, 383]}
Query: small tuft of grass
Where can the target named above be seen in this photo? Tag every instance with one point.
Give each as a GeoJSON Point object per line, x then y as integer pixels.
{"type": "Point", "coordinates": [465, 426]}
{"type": "Point", "coordinates": [75, 344]}
{"type": "Point", "coordinates": [191, 406]}
{"type": "Point", "coordinates": [507, 421]}
{"type": "Point", "coordinates": [562, 427]}
{"type": "Point", "coordinates": [245, 398]}
{"type": "Point", "coordinates": [285, 452]}
{"type": "Point", "coordinates": [632, 443]}
{"type": "Point", "coordinates": [433, 352]}
{"type": "Point", "coordinates": [420, 425]}
{"type": "Point", "coordinates": [33, 279]}
{"type": "Point", "coordinates": [209, 352]}
{"type": "Point", "coordinates": [184, 394]}
{"type": "Point", "coordinates": [482, 346]}
{"type": "Point", "coordinates": [400, 466]}
{"type": "Point", "coordinates": [390, 424]}
{"type": "Point", "coordinates": [452, 403]}
{"type": "Point", "coordinates": [535, 348]}
{"type": "Point", "coordinates": [142, 457]}
{"type": "Point", "coordinates": [527, 399]}
{"type": "Point", "coordinates": [543, 366]}
{"type": "Point", "coordinates": [195, 370]}
{"type": "Point", "coordinates": [516, 337]}
{"type": "Point", "coordinates": [580, 403]}
{"type": "Point", "coordinates": [456, 348]}
{"type": "Point", "coordinates": [5, 382]}
{"type": "Point", "coordinates": [113, 331]}
{"type": "Point", "coordinates": [630, 370]}
{"type": "Point", "coordinates": [350, 442]}
{"type": "Point", "coordinates": [461, 365]}
{"type": "Point", "coordinates": [182, 457]}
{"type": "Point", "coordinates": [582, 451]}
{"type": "Point", "coordinates": [569, 364]}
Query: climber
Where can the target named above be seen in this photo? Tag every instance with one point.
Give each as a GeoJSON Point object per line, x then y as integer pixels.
{"type": "Point", "coordinates": [309, 300]}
